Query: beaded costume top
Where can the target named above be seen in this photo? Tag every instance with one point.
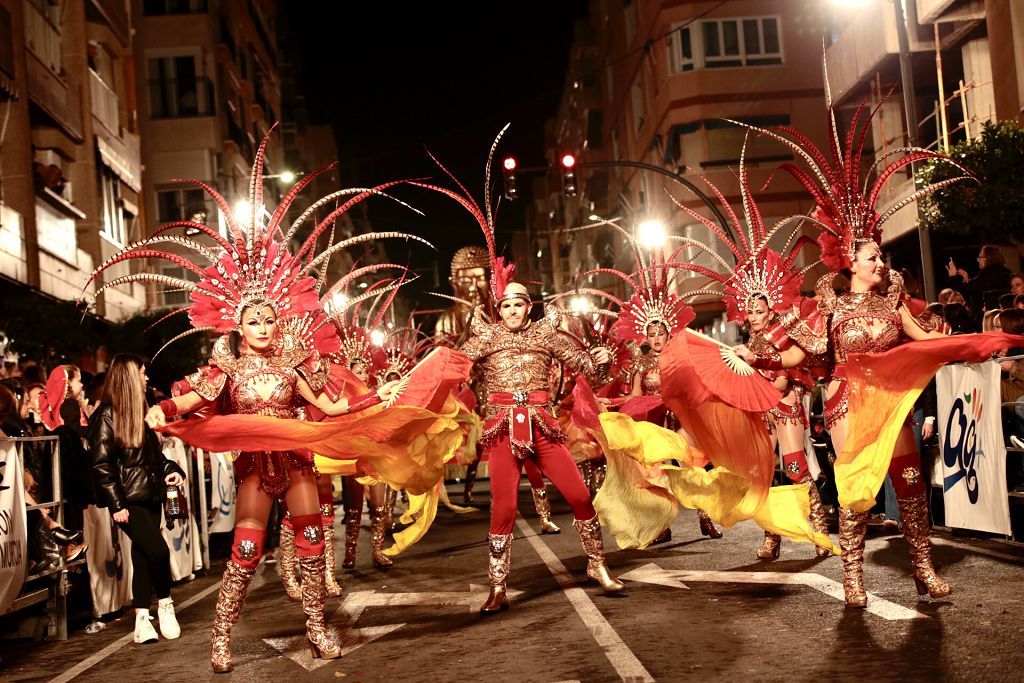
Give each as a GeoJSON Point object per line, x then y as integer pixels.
{"type": "Point", "coordinates": [521, 361]}
{"type": "Point", "coordinates": [861, 322]}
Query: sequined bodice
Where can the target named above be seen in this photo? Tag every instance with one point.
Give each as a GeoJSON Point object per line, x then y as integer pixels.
{"type": "Point", "coordinates": [259, 388]}
{"type": "Point", "coordinates": [650, 374]}
{"type": "Point", "coordinates": [864, 323]}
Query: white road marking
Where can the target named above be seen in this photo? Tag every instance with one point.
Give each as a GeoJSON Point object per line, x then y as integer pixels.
{"type": "Point", "coordinates": [95, 659]}
{"type": "Point", "coordinates": [652, 573]}
{"type": "Point", "coordinates": [621, 657]}
{"type": "Point", "coordinates": [351, 637]}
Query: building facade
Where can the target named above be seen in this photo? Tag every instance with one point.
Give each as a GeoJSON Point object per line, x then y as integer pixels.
{"type": "Point", "coordinates": [71, 176]}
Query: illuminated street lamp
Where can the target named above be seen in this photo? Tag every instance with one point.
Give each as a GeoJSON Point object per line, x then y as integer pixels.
{"type": "Point", "coordinates": [377, 337]}
{"type": "Point", "coordinates": [651, 233]}
{"type": "Point", "coordinates": [580, 305]}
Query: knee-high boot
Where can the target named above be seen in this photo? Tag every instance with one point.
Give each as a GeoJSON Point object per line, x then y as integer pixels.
{"type": "Point", "coordinates": [330, 579]}
{"type": "Point", "coordinates": [917, 532]}
{"type": "Point", "coordinates": [818, 522]}
{"type": "Point", "coordinates": [233, 588]}
{"type": "Point", "coordinates": [353, 518]}
{"type": "Point", "coordinates": [378, 520]}
{"type": "Point", "coordinates": [286, 561]}
{"type": "Point", "coordinates": [707, 527]}
{"type": "Point", "coordinates": [499, 558]}
{"type": "Point", "coordinates": [314, 594]}
{"type": "Point", "coordinates": [540, 499]}
{"type": "Point", "coordinates": [853, 526]}
{"type": "Point", "coordinates": [593, 545]}
{"type": "Point", "coordinates": [769, 550]}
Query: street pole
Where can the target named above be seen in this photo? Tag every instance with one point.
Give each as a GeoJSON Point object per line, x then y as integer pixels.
{"type": "Point", "coordinates": [910, 113]}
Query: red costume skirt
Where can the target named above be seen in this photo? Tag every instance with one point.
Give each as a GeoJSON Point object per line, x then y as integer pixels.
{"type": "Point", "coordinates": [272, 468]}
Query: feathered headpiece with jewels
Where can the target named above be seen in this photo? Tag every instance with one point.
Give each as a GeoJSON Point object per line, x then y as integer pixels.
{"type": "Point", "coordinates": [253, 266]}
{"type": "Point", "coordinates": [845, 203]}
{"type": "Point", "coordinates": [402, 348]}
{"type": "Point", "coordinates": [759, 272]}
{"type": "Point", "coordinates": [502, 271]}
{"type": "Point", "coordinates": [652, 301]}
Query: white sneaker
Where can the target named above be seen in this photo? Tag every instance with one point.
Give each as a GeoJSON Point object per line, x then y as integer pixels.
{"type": "Point", "coordinates": [144, 631]}
{"type": "Point", "coordinates": [169, 628]}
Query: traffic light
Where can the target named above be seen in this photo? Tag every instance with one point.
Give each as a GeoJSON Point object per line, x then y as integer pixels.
{"type": "Point", "coordinates": [509, 170]}
{"type": "Point", "coordinates": [569, 175]}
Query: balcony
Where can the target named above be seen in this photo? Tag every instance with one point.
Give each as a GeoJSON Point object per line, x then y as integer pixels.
{"type": "Point", "coordinates": [104, 103]}
{"type": "Point", "coordinates": [866, 36]}
{"type": "Point", "coordinates": [42, 36]}
{"type": "Point", "coordinates": [59, 97]}
{"type": "Point", "coordinates": [115, 14]}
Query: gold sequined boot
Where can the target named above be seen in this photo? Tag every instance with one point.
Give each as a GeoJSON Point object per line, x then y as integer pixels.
{"type": "Point", "coordinates": [286, 563]}
{"type": "Point", "coordinates": [917, 532]}
{"type": "Point", "coordinates": [853, 526]}
{"type": "Point", "coordinates": [314, 594]}
{"type": "Point", "coordinates": [353, 518]}
{"type": "Point", "coordinates": [707, 527]}
{"type": "Point", "coordinates": [330, 580]}
{"type": "Point", "coordinates": [769, 550]}
{"type": "Point", "coordinates": [499, 548]}
{"type": "Point", "coordinates": [593, 545]}
{"type": "Point", "coordinates": [378, 519]}
{"type": "Point", "coordinates": [540, 499]}
{"type": "Point", "coordinates": [818, 522]}
{"type": "Point", "coordinates": [390, 498]}
{"type": "Point", "coordinates": [229, 606]}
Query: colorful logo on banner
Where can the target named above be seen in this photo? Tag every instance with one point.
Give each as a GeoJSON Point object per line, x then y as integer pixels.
{"type": "Point", "coordinates": [962, 455]}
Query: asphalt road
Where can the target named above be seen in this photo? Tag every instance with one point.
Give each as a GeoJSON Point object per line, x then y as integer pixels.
{"type": "Point", "coordinates": [694, 609]}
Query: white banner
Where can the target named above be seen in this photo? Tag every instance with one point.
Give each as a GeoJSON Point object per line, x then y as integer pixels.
{"type": "Point", "coordinates": [109, 560]}
{"type": "Point", "coordinates": [13, 536]}
{"type": "Point", "coordinates": [222, 496]}
{"type": "Point", "coordinates": [183, 537]}
{"type": "Point", "coordinates": [971, 448]}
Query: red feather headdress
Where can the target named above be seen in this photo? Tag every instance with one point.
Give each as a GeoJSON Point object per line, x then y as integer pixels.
{"type": "Point", "coordinates": [845, 203]}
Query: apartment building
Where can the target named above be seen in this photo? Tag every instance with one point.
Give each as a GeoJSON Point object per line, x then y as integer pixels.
{"type": "Point", "coordinates": [70, 165]}
{"type": "Point", "coordinates": [652, 82]}
{"type": "Point", "coordinates": [967, 59]}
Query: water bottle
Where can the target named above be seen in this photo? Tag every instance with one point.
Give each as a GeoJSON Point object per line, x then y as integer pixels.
{"type": "Point", "coordinates": [172, 508]}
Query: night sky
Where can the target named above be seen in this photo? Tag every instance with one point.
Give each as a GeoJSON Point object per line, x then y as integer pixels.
{"type": "Point", "coordinates": [397, 78]}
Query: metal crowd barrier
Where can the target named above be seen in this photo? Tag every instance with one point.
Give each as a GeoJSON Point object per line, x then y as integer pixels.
{"type": "Point", "coordinates": [51, 586]}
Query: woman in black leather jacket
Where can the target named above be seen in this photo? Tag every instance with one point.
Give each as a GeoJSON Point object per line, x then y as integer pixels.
{"type": "Point", "coordinates": [131, 476]}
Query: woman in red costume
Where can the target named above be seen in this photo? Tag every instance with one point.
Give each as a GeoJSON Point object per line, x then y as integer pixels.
{"type": "Point", "coordinates": [869, 316]}
{"type": "Point", "coordinates": [271, 361]}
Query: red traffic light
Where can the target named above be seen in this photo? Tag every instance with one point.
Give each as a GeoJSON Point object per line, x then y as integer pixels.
{"type": "Point", "coordinates": [568, 161]}
{"type": "Point", "coordinates": [509, 163]}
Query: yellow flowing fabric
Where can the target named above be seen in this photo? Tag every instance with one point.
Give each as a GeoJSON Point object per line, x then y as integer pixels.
{"type": "Point", "coordinates": [883, 388]}
{"type": "Point", "coordinates": [420, 515]}
{"type": "Point", "coordinates": [786, 513]}
{"type": "Point", "coordinates": [634, 510]}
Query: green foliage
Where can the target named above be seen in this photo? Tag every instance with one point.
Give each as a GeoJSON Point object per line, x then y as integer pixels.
{"type": "Point", "coordinates": [991, 208]}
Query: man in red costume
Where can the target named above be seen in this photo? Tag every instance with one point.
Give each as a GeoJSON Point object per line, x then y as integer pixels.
{"type": "Point", "coordinates": [516, 356]}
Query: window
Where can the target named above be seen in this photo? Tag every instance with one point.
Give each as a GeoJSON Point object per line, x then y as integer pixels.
{"type": "Point", "coordinates": [178, 297]}
{"type": "Point", "coordinates": [741, 42]}
{"type": "Point", "coordinates": [114, 225]}
{"type": "Point", "coordinates": [157, 8]}
{"type": "Point", "coordinates": [181, 205]}
{"type": "Point", "coordinates": [176, 90]}
{"type": "Point", "coordinates": [751, 41]}
{"type": "Point", "coordinates": [636, 93]}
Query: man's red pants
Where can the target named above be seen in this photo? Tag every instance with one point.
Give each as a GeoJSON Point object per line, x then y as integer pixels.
{"type": "Point", "coordinates": [553, 460]}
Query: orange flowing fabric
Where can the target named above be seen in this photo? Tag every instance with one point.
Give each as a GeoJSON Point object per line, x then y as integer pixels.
{"type": "Point", "coordinates": [883, 388]}
{"type": "Point", "coordinates": [733, 439]}
{"type": "Point", "coordinates": [403, 445]}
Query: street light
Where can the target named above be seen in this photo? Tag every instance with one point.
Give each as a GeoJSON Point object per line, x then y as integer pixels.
{"type": "Point", "coordinates": [377, 337]}
{"type": "Point", "coordinates": [288, 177]}
{"type": "Point", "coordinates": [580, 305]}
{"type": "Point", "coordinates": [651, 233]}
{"type": "Point", "coordinates": [338, 301]}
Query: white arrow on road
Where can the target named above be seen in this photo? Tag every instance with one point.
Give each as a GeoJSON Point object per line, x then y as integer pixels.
{"type": "Point", "coordinates": [351, 637]}
{"type": "Point", "coordinates": [652, 573]}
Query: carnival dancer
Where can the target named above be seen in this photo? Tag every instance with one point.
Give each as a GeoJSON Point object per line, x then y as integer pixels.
{"type": "Point", "coordinates": [516, 356]}
{"type": "Point", "coordinates": [470, 278]}
{"type": "Point", "coordinates": [763, 284]}
{"type": "Point", "coordinates": [869, 316]}
{"type": "Point", "coordinates": [269, 365]}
